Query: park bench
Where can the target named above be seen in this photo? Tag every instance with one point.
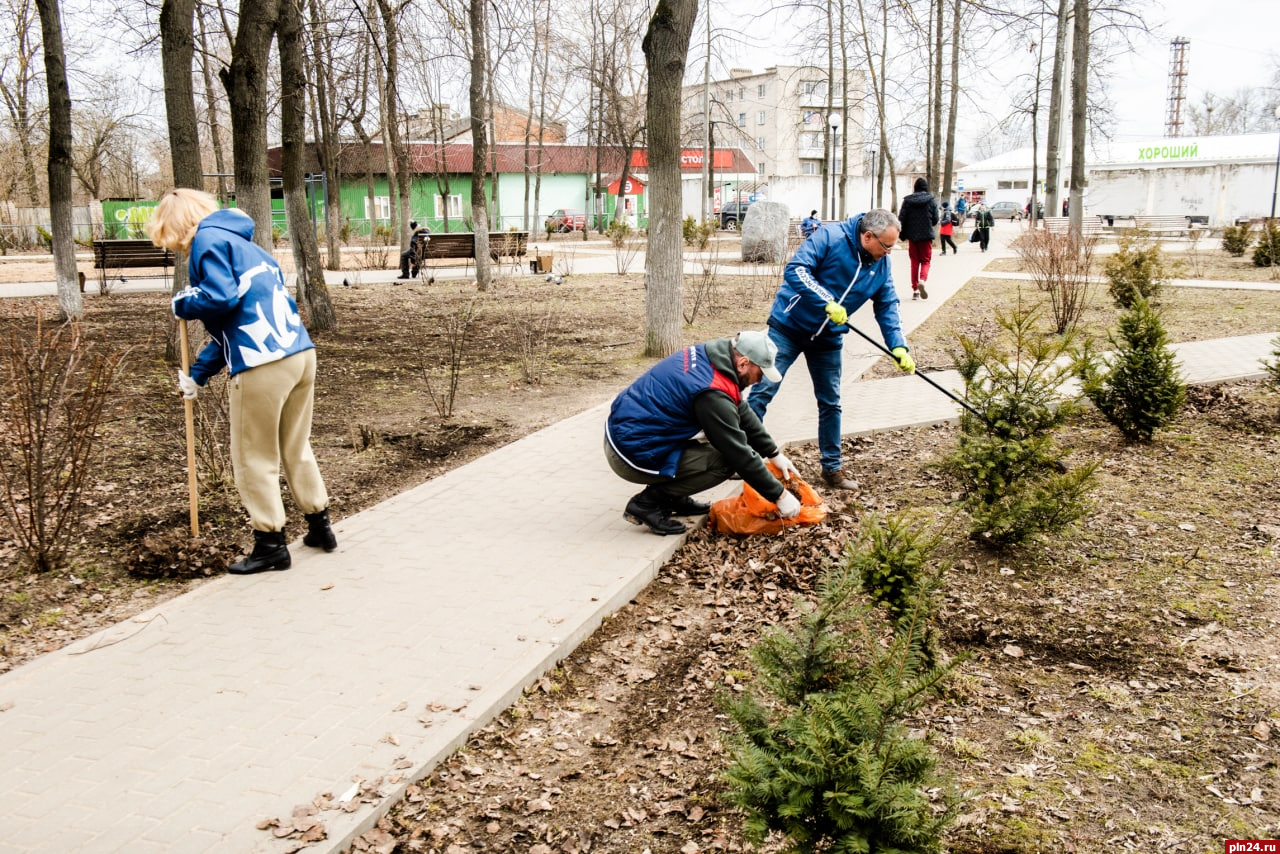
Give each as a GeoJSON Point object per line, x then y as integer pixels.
{"type": "Point", "coordinates": [1089, 226]}
{"type": "Point", "coordinates": [1162, 223]}
{"type": "Point", "coordinates": [117, 255]}
{"type": "Point", "coordinates": [462, 244]}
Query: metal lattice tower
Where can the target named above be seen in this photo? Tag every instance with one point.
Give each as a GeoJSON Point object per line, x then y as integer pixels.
{"type": "Point", "coordinates": [1178, 49]}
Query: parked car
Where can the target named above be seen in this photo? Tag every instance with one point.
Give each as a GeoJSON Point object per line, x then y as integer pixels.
{"type": "Point", "coordinates": [565, 220]}
{"type": "Point", "coordinates": [732, 215]}
{"type": "Point", "coordinates": [1006, 210]}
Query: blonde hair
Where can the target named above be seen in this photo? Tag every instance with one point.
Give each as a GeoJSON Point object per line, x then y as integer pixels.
{"type": "Point", "coordinates": [173, 225]}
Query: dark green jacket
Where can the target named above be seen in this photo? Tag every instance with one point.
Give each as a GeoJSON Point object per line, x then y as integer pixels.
{"type": "Point", "coordinates": [734, 430]}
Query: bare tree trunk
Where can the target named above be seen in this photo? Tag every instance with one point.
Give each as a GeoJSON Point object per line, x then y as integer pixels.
{"type": "Point", "coordinates": [16, 90]}
{"type": "Point", "coordinates": [479, 142]}
{"type": "Point", "coordinates": [177, 52]}
{"type": "Point", "coordinates": [948, 169]}
{"type": "Point", "coordinates": [211, 112]}
{"type": "Point", "coordinates": [1052, 178]}
{"type": "Point", "coordinates": [327, 143]}
{"type": "Point", "coordinates": [247, 82]}
{"type": "Point", "coordinates": [391, 117]}
{"type": "Point", "coordinates": [828, 146]}
{"type": "Point", "coordinates": [935, 148]}
{"type": "Point", "coordinates": [64, 247]}
{"type": "Point", "coordinates": [666, 49]}
{"type": "Point", "coordinates": [1079, 113]}
{"type": "Point", "coordinates": [313, 293]}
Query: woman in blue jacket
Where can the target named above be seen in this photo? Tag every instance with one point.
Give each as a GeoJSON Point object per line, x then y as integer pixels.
{"type": "Point", "coordinates": [831, 275]}
{"type": "Point", "coordinates": [237, 291]}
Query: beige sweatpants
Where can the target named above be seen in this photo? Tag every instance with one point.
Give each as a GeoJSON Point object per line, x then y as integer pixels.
{"type": "Point", "coordinates": [270, 426]}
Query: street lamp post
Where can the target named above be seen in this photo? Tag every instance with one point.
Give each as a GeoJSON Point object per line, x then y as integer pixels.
{"type": "Point", "coordinates": [834, 121]}
{"type": "Point", "coordinates": [872, 203]}
{"type": "Point", "coordinates": [1276, 180]}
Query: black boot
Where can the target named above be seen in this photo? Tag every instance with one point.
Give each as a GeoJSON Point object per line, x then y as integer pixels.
{"type": "Point", "coordinates": [682, 505]}
{"type": "Point", "coordinates": [270, 552]}
{"type": "Point", "coordinates": [646, 509]}
{"type": "Point", "coordinates": [319, 534]}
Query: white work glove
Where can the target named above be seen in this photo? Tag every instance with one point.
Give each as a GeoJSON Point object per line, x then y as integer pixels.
{"type": "Point", "coordinates": [187, 386]}
{"type": "Point", "coordinates": [788, 505]}
{"type": "Point", "coordinates": [784, 465]}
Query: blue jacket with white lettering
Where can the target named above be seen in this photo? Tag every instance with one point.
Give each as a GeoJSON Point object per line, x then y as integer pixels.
{"type": "Point", "coordinates": [819, 272]}
{"type": "Point", "coordinates": [238, 292]}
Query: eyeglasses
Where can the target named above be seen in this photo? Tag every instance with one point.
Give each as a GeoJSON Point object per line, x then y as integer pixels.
{"type": "Point", "coordinates": [887, 249]}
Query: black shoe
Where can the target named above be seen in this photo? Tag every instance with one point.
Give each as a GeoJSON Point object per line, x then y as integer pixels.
{"type": "Point", "coordinates": [270, 552]}
{"type": "Point", "coordinates": [644, 509]}
{"type": "Point", "coordinates": [683, 505]}
{"type": "Point", "coordinates": [319, 533]}
{"type": "Point", "coordinates": [402, 278]}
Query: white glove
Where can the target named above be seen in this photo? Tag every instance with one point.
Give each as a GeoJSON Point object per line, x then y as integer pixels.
{"type": "Point", "coordinates": [187, 386]}
{"type": "Point", "coordinates": [784, 465]}
{"type": "Point", "coordinates": [788, 505]}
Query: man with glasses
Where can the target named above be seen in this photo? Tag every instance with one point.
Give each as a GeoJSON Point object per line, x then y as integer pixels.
{"type": "Point", "coordinates": [835, 271]}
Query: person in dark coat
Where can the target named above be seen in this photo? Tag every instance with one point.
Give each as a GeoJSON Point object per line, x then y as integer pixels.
{"type": "Point", "coordinates": [949, 221]}
{"type": "Point", "coordinates": [919, 214]}
{"type": "Point", "coordinates": [984, 222]}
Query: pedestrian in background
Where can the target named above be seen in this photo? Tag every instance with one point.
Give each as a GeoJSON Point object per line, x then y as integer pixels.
{"type": "Point", "coordinates": [649, 436]}
{"type": "Point", "coordinates": [949, 222]}
{"type": "Point", "coordinates": [983, 223]}
{"type": "Point", "coordinates": [237, 291]}
{"type": "Point", "coordinates": [918, 215]}
{"type": "Point", "coordinates": [810, 224]}
{"type": "Point", "coordinates": [831, 275]}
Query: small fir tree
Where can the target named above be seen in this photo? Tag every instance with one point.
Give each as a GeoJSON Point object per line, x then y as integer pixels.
{"type": "Point", "coordinates": [1267, 252]}
{"type": "Point", "coordinates": [1138, 389]}
{"type": "Point", "coordinates": [826, 759]}
{"type": "Point", "coordinates": [1136, 270]}
{"type": "Point", "coordinates": [1016, 484]}
{"type": "Point", "coordinates": [1272, 367]}
{"type": "Point", "coordinates": [1236, 239]}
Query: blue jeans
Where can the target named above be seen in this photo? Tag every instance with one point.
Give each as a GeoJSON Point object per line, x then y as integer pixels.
{"type": "Point", "coordinates": [824, 369]}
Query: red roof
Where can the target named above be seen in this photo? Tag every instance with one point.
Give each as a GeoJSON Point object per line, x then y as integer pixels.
{"type": "Point", "coordinates": [455, 158]}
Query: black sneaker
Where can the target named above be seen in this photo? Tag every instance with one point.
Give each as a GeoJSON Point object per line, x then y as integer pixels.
{"type": "Point", "coordinates": [915, 295]}
{"type": "Point", "coordinates": [683, 505]}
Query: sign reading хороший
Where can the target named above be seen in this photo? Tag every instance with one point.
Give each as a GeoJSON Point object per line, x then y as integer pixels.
{"type": "Point", "coordinates": [1169, 152]}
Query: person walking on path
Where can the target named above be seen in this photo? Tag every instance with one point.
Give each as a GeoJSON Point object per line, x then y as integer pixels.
{"type": "Point", "coordinates": [962, 208]}
{"type": "Point", "coordinates": [237, 291]}
{"type": "Point", "coordinates": [831, 275]}
{"type": "Point", "coordinates": [809, 224]}
{"type": "Point", "coordinates": [947, 228]}
{"type": "Point", "coordinates": [983, 222]}
{"type": "Point", "coordinates": [649, 435]}
{"type": "Point", "coordinates": [919, 214]}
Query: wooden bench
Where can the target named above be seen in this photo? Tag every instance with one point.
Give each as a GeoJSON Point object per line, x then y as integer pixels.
{"type": "Point", "coordinates": [116, 255]}
{"type": "Point", "coordinates": [1089, 226]}
{"type": "Point", "coordinates": [1163, 223]}
{"type": "Point", "coordinates": [462, 244]}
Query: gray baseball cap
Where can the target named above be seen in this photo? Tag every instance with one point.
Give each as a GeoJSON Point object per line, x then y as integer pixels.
{"type": "Point", "coordinates": [757, 347]}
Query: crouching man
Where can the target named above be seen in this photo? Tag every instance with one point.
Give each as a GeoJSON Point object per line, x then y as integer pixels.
{"type": "Point", "coordinates": [649, 437]}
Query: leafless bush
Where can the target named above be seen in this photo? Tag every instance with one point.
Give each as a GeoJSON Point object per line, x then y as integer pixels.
{"type": "Point", "coordinates": [1059, 265]}
{"type": "Point", "coordinates": [377, 248]}
{"type": "Point", "coordinates": [54, 395]}
{"type": "Point", "coordinates": [456, 329]}
{"type": "Point", "coordinates": [626, 245]}
{"type": "Point", "coordinates": [703, 288]}
{"type": "Point", "coordinates": [534, 321]}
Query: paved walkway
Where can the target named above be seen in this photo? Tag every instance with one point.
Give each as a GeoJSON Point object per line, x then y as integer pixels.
{"type": "Point", "coordinates": [181, 729]}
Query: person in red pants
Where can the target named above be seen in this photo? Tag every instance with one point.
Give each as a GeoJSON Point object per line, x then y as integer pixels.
{"type": "Point", "coordinates": [949, 222]}
{"type": "Point", "coordinates": [919, 214]}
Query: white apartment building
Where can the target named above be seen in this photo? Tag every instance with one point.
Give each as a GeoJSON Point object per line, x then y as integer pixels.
{"type": "Point", "coordinates": [781, 119]}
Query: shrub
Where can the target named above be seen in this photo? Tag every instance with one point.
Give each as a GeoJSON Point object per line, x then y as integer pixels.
{"type": "Point", "coordinates": [1059, 264]}
{"type": "Point", "coordinates": [1267, 252]}
{"type": "Point", "coordinates": [1136, 270]}
{"type": "Point", "coordinates": [697, 235]}
{"type": "Point", "coordinates": [1236, 238]}
{"type": "Point", "coordinates": [1138, 389]}
{"type": "Point", "coordinates": [826, 759]}
{"type": "Point", "coordinates": [1015, 482]}
{"type": "Point", "coordinates": [1273, 367]}
{"type": "Point", "coordinates": [891, 558]}
{"type": "Point", "coordinates": [54, 394]}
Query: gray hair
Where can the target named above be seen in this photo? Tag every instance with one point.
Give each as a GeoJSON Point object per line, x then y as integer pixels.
{"type": "Point", "coordinates": [877, 220]}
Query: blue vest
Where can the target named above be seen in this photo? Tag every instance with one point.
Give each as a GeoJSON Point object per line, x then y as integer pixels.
{"type": "Point", "coordinates": [650, 422]}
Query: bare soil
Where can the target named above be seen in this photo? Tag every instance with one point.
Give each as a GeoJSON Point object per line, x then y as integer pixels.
{"type": "Point", "coordinates": [1122, 689]}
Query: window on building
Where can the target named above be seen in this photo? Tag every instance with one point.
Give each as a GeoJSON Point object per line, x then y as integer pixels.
{"type": "Point", "coordinates": [1019, 185]}
{"type": "Point", "coordinates": [1004, 185]}
{"type": "Point", "coordinates": [760, 169]}
{"type": "Point", "coordinates": [381, 208]}
{"type": "Point", "coordinates": [808, 167]}
{"type": "Point", "coordinates": [759, 143]}
{"type": "Point", "coordinates": [742, 120]}
{"type": "Point", "coordinates": [742, 93]}
{"type": "Point", "coordinates": [728, 95]}
{"type": "Point", "coordinates": [811, 141]}
{"type": "Point", "coordinates": [760, 91]}
{"type": "Point", "coordinates": [760, 117]}
{"type": "Point", "coordinates": [455, 206]}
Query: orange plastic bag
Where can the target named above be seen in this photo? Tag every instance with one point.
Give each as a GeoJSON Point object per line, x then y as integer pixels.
{"type": "Point", "coordinates": [751, 513]}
